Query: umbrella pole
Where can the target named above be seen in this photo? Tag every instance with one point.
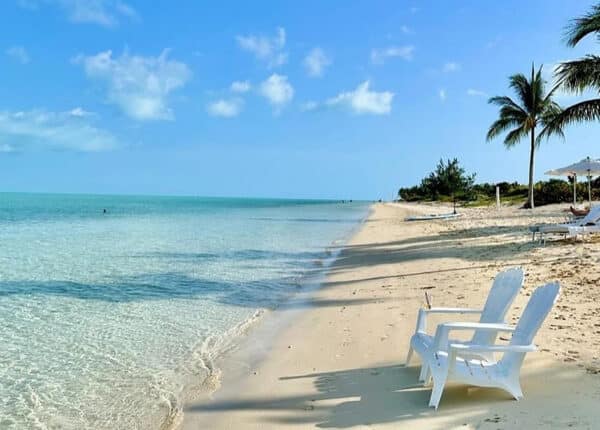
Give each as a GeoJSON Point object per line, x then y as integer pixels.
{"type": "Point", "coordinates": [574, 190]}
{"type": "Point", "coordinates": [590, 190]}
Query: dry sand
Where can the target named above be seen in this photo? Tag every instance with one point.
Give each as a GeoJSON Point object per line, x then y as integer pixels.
{"type": "Point", "coordinates": [338, 364]}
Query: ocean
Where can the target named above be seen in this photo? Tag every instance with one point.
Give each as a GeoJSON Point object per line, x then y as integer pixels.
{"type": "Point", "coordinates": [114, 308]}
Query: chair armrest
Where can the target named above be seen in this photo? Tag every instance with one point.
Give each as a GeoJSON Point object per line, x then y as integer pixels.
{"type": "Point", "coordinates": [453, 311]}
{"type": "Point", "coordinates": [422, 317]}
{"type": "Point", "coordinates": [477, 326]}
{"type": "Point", "coordinates": [460, 347]}
{"type": "Point", "coordinates": [455, 349]}
{"type": "Point", "coordinates": [442, 333]}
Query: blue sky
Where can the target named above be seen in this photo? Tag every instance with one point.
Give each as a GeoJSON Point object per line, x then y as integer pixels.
{"type": "Point", "coordinates": [283, 99]}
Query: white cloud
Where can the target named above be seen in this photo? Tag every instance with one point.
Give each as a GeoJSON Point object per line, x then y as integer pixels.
{"type": "Point", "coordinates": [450, 67]}
{"type": "Point", "coordinates": [476, 93]}
{"type": "Point", "coordinates": [103, 12]}
{"type": "Point", "coordinates": [309, 105]}
{"type": "Point", "coordinates": [277, 90]}
{"type": "Point", "coordinates": [140, 86]}
{"type": "Point", "coordinates": [240, 87]}
{"type": "Point", "coordinates": [493, 43]}
{"type": "Point", "coordinates": [79, 112]}
{"type": "Point", "coordinates": [225, 108]}
{"type": "Point", "coordinates": [442, 94]}
{"type": "Point", "coordinates": [315, 62]}
{"type": "Point", "coordinates": [378, 56]}
{"type": "Point", "coordinates": [405, 29]}
{"type": "Point", "coordinates": [19, 54]}
{"type": "Point", "coordinates": [5, 147]}
{"type": "Point", "coordinates": [364, 101]}
{"type": "Point", "coordinates": [269, 50]}
{"type": "Point", "coordinates": [40, 129]}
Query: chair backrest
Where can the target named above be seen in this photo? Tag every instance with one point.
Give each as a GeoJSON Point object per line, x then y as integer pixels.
{"type": "Point", "coordinates": [539, 306]}
{"type": "Point", "coordinates": [592, 217]}
{"type": "Point", "coordinates": [505, 288]}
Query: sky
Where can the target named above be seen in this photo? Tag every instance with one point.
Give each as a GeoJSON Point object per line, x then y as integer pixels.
{"type": "Point", "coordinates": [310, 99]}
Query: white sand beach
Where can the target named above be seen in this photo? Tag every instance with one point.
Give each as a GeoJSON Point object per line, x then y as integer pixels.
{"type": "Point", "coordinates": [339, 363]}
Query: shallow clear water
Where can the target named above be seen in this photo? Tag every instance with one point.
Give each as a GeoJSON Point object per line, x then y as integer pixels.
{"type": "Point", "coordinates": [105, 318]}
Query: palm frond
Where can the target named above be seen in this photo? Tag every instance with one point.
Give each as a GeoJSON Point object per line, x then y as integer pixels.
{"type": "Point", "coordinates": [514, 136]}
{"type": "Point", "coordinates": [583, 26]}
{"type": "Point", "coordinates": [501, 125]}
{"type": "Point", "coordinates": [588, 110]}
{"type": "Point", "coordinates": [505, 101]}
{"type": "Point", "coordinates": [552, 111]}
{"type": "Point", "coordinates": [579, 74]}
{"type": "Point", "coordinates": [538, 86]}
{"type": "Point", "coordinates": [520, 84]}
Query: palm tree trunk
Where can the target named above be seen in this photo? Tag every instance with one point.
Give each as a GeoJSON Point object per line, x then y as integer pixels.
{"type": "Point", "coordinates": [531, 158]}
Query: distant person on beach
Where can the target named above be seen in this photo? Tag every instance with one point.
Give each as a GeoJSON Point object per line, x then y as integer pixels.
{"type": "Point", "coordinates": [579, 212]}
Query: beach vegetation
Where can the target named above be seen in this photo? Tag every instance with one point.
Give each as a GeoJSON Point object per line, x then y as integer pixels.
{"type": "Point", "coordinates": [448, 182]}
{"type": "Point", "coordinates": [484, 194]}
{"type": "Point", "coordinates": [528, 116]}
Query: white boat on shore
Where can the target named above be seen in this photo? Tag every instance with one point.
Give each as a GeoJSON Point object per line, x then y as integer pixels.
{"type": "Point", "coordinates": [430, 217]}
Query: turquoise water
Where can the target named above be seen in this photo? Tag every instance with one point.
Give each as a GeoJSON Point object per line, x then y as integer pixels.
{"type": "Point", "coordinates": [107, 318]}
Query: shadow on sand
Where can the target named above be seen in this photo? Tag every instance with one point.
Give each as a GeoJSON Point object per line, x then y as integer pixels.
{"type": "Point", "coordinates": [377, 395]}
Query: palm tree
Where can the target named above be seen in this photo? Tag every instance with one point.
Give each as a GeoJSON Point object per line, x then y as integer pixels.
{"type": "Point", "coordinates": [535, 108]}
{"type": "Point", "coordinates": [580, 74]}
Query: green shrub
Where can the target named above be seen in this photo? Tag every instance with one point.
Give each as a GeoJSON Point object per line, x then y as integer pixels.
{"type": "Point", "coordinates": [437, 186]}
{"type": "Point", "coordinates": [552, 191]}
{"type": "Point", "coordinates": [448, 181]}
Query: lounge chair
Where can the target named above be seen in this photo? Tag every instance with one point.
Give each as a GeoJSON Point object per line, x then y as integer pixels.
{"type": "Point", "coordinates": [505, 288]}
{"type": "Point", "coordinates": [455, 365]}
{"type": "Point", "coordinates": [571, 229]}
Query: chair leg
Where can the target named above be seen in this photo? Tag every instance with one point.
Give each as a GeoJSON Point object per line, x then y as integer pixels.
{"type": "Point", "coordinates": [409, 356]}
{"type": "Point", "coordinates": [436, 392]}
{"type": "Point", "coordinates": [514, 388]}
{"type": "Point", "coordinates": [425, 373]}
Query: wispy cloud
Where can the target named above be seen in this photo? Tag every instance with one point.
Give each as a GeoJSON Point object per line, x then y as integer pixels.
{"type": "Point", "coordinates": [80, 112]}
{"type": "Point", "coordinates": [309, 106]}
{"type": "Point", "coordinates": [442, 95]}
{"type": "Point", "coordinates": [493, 43]}
{"type": "Point", "coordinates": [406, 29]}
{"type": "Point", "coordinates": [41, 129]}
{"type": "Point", "coordinates": [315, 62]}
{"type": "Point", "coordinates": [379, 56]}
{"type": "Point", "coordinates": [477, 93]}
{"type": "Point", "coordinates": [18, 53]}
{"type": "Point", "coordinates": [102, 12]}
{"type": "Point", "coordinates": [364, 101]}
{"type": "Point", "coordinates": [226, 108]}
{"type": "Point", "coordinates": [277, 90]}
{"type": "Point", "coordinates": [450, 67]}
{"type": "Point", "coordinates": [267, 49]}
{"type": "Point", "coordinates": [140, 86]}
{"type": "Point", "coordinates": [240, 87]}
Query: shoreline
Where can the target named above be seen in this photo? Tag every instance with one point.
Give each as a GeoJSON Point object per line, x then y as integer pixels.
{"type": "Point", "coordinates": [338, 364]}
{"type": "Point", "coordinates": [249, 347]}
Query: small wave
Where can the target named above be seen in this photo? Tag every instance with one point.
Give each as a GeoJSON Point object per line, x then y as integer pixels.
{"type": "Point", "coordinates": [204, 371]}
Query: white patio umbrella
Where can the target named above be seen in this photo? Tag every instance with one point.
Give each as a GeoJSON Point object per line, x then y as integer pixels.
{"type": "Point", "coordinates": [587, 167]}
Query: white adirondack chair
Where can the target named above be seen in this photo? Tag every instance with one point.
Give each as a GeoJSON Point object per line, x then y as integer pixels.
{"type": "Point", "coordinates": [453, 366]}
{"type": "Point", "coordinates": [504, 289]}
